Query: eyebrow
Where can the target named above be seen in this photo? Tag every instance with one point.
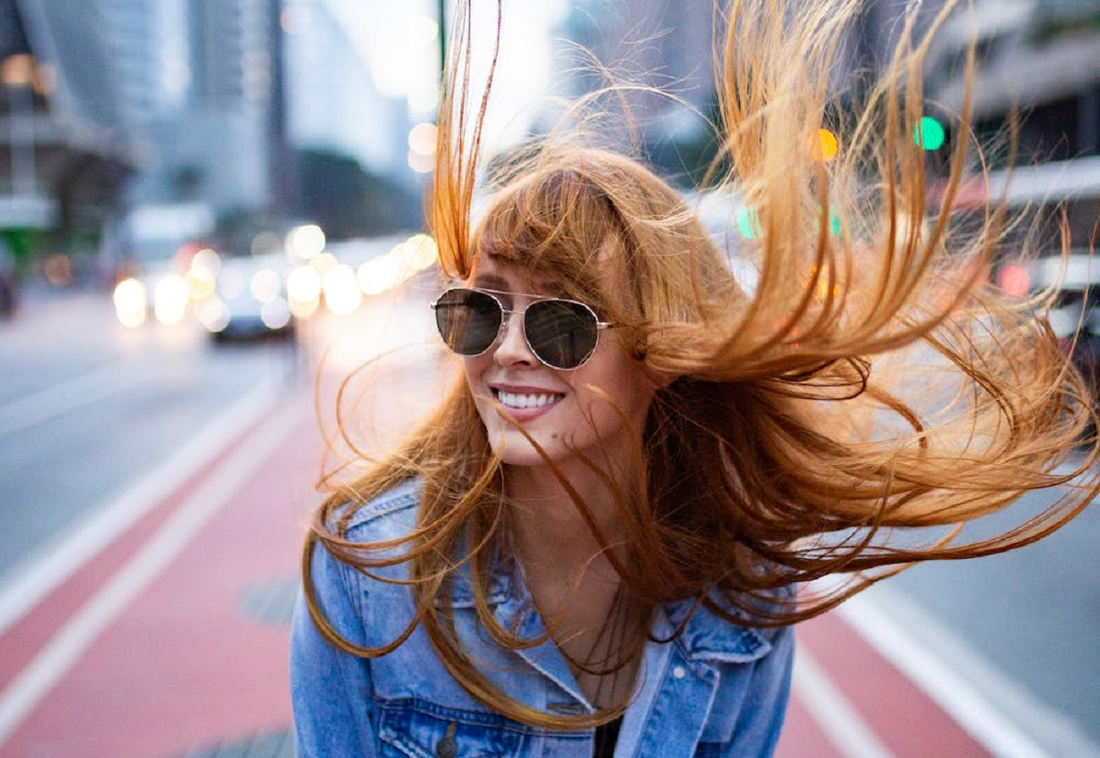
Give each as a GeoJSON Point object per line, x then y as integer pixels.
{"type": "Point", "coordinates": [500, 285]}
{"type": "Point", "coordinates": [490, 281]}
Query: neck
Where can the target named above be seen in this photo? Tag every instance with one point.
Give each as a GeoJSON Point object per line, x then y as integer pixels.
{"type": "Point", "coordinates": [552, 535]}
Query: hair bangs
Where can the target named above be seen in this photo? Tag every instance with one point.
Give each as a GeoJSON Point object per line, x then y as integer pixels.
{"type": "Point", "coordinates": [561, 227]}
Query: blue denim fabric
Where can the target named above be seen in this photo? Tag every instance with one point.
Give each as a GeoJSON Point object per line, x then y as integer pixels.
{"type": "Point", "coordinates": [717, 690]}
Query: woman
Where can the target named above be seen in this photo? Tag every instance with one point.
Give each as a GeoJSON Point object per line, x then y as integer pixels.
{"type": "Point", "coordinates": [590, 545]}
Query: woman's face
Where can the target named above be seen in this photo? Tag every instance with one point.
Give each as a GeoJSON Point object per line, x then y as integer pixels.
{"type": "Point", "coordinates": [578, 416]}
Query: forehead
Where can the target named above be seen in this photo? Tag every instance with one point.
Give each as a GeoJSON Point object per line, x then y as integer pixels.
{"type": "Point", "coordinates": [490, 272]}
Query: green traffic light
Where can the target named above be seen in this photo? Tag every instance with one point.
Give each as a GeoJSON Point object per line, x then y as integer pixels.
{"type": "Point", "coordinates": [929, 134]}
{"type": "Point", "coordinates": [748, 223]}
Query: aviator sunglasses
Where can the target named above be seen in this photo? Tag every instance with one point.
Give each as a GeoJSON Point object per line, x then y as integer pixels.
{"type": "Point", "coordinates": [561, 333]}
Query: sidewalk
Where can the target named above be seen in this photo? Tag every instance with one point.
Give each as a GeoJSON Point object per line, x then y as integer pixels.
{"type": "Point", "coordinates": [172, 641]}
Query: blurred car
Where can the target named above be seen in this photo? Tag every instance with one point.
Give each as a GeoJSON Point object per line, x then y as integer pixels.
{"type": "Point", "coordinates": [249, 300]}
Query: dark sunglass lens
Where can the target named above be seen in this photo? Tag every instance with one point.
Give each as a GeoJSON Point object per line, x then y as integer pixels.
{"type": "Point", "coordinates": [561, 333]}
{"type": "Point", "coordinates": [468, 321]}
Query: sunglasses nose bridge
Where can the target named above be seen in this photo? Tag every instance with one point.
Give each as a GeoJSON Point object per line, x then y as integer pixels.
{"type": "Point", "coordinates": [508, 343]}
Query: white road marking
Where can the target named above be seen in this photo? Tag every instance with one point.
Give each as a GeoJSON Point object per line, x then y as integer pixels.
{"type": "Point", "coordinates": [835, 716]}
{"type": "Point", "coordinates": [66, 396]}
{"type": "Point", "coordinates": [995, 710]}
{"type": "Point", "coordinates": [40, 575]}
{"type": "Point", "coordinates": [66, 646]}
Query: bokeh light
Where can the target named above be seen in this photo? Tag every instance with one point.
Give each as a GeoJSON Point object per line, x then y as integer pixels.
{"type": "Point", "coordinates": [131, 302]}
{"type": "Point", "coordinates": [342, 295]}
{"type": "Point", "coordinates": [381, 274]}
{"type": "Point", "coordinates": [929, 134]}
{"type": "Point", "coordinates": [305, 242]}
{"type": "Point", "coordinates": [419, 252]}
{"type": "Point", "coordinates": [422, 138]}
{"type": "Point", "coordinates": [275, 313]}
{"type": "Point", "coordinates": [323, 262]}
{"type": "Point", "coordinates": [207, 260]}
{"type": "Point", "coordinates": [303, 288]}
{"type": "Point", "coordinates": [265, 285]}
{"type": "Point", "coordinates": [201, 284]}
{"type": "Point", "coordinates": [170, 299]}
{"type": "Point", "coordinates": [303, 309]}
{"type": "Point", "coordinates": [748, 223]}
{"type": "Point", "coordinates": [828, 145]}
{"type": "Point", "coordinates": [213, 314]}
{"type": "Point", "coordinates": [1015, 280]}
{"type": "Point", "coordinates": [420, 163]}
{"type": "Point", "coordinates": [58, 269]}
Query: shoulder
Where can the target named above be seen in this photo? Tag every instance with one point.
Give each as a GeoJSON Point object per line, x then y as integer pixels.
{"type": "Point", "coordinates": [385, 518]}
{"type": "Point", "coordinates": [388, 516]}
{"type": "Point", "coordinates": [707, 635]}
{"type": "Point", "coordinates": [349, 595]}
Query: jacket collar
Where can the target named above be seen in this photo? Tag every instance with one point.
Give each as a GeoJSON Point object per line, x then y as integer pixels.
{"type": "Point", "coordinates": [708, 637]}
{"type": "Point", "coordinates": [705, 637]}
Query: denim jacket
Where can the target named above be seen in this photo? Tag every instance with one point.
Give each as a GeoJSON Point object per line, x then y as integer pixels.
{"type": "Point", "coordinates": [716, 690]}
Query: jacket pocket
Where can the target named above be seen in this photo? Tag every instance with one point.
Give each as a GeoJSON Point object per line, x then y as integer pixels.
{"type": "Point", "coordinates": [419, 729]}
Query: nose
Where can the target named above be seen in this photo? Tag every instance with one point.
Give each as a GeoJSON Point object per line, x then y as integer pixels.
{"type": "Point", "coordinates": [512, 346]}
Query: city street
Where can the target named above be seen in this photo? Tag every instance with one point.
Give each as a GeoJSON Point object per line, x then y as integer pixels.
{"type": "Point", "coordinates": [154, 489]}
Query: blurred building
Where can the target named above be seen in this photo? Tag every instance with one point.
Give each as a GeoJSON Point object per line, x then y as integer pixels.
{"type": "Point", "coordinates": [665, 44]}
{"type": "Point", "coordinates": [669, 45]}
{"type": "Point", "coordinates": [65, 145]}
{"type": "Point", "coordinates": [1038, 64]}
{"type": "Point", "coordinates": [201, 81]}
{"type": "Point", "coordinates": [344, 113]}
{"type": "Point", "coordinates": [151, 120]}
{"type": "Point", "coordinates": [356, 79]}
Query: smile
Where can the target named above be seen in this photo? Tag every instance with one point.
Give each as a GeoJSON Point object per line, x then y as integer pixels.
{"type": "Point", "coordinates": [526, 400]}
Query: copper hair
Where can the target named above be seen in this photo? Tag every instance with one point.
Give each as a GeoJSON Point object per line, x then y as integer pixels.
{"type": "Point", "coordinates": [849, 415]}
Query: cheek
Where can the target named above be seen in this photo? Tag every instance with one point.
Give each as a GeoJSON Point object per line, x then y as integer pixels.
{"type": "Point", "coordinates": [474, 369]}
{"type": "Point", "coordinates": [620, 382]}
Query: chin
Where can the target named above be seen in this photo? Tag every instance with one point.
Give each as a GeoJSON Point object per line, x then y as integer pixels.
{"type": "Point", "coordinates": [516, 450]}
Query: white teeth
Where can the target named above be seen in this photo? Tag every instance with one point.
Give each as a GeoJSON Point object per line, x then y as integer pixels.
{"type": "Point", "coordinates": [526, 401]}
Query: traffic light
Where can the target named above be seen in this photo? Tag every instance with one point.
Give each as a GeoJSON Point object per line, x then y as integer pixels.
{"type": "Point", "coordinates": [929, 134]}
{"type": "Point", "coordinates": [828, 145]}
{"type": "Point", "coordinates": [748, 223]}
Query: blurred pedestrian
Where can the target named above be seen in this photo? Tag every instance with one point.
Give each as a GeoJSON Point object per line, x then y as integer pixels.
{"type": "Point", "coordinates": [590, 546]}
{"type": "Point", "coordinates": [9, 292]}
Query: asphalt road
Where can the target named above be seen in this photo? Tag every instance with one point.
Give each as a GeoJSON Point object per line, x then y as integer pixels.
{"type": "Point", "coordinates": [88, 408]}
{"type": "Point", "coordinates": [1032, 615]}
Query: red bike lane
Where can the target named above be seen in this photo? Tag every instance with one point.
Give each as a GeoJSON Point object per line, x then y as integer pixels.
{"type": "Point", "coordinates": [172, 641]}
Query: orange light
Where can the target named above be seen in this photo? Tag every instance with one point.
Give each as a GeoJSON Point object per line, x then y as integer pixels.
{"type": "Point", "coordinates": [828, 145]}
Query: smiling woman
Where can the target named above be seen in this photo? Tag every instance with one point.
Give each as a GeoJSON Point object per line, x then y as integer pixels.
{"type": "Point", "coordinates": [535, 410]}
{"type": "Point", "coordinates": [592, 544]}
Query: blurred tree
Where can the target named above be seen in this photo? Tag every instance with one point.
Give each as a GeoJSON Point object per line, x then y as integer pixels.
{"type": "Point", "coordinates": [23, 245]}
{"type": "Point", "coordinates": [346, 200]}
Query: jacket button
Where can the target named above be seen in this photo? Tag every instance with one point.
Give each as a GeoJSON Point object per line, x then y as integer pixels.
{"type": "Point", "coordinates": [679, 672]}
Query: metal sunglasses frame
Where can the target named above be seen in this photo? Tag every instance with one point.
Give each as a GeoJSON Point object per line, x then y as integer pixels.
{"type": "Point", "coordinates": [506, 313]}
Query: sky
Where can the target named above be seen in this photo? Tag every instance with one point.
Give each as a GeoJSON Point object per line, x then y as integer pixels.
{"type": "Point", "coordinates": [394, 37]}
